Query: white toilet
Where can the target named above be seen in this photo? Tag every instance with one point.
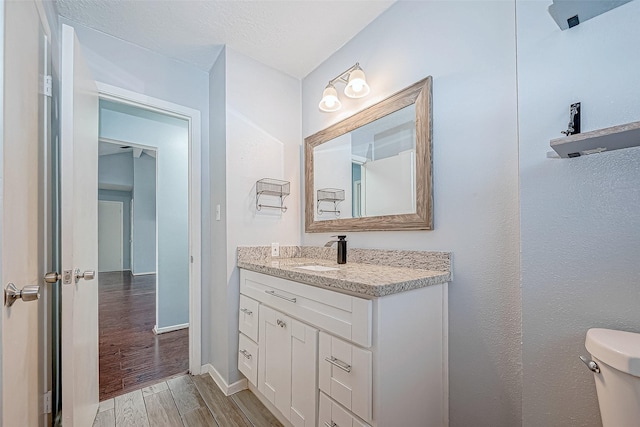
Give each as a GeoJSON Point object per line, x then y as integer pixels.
{"type": "Point", "coordinates": [617, 373]}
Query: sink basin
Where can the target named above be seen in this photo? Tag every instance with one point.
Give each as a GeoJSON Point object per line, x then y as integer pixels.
{"type": "Point", "coordinates": [317, 268]}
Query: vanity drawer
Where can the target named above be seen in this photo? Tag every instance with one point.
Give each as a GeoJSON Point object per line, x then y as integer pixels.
{"type": "Point", "coordinates": [343, 315]}
{"type": "Point", "coordinates": [248, 359]}
{"type": "Point", "coordinates": [331, 414]}
{"type": "Point", "coordinates": [248, 321]}
{"type": "Point", "coordinates": [345, 373]}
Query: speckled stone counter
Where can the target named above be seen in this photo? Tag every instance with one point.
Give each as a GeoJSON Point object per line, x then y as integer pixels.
{"type": "Point", "coordinates": [368, 273]}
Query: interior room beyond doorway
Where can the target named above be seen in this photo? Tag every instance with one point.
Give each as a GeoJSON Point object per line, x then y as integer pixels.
{"type": "Point", "coordinates": [143, 247]}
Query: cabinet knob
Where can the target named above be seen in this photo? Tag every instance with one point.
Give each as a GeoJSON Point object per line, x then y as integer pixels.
{"type": "Point", "coordinates": [246, 354]}
{"type": "Point", "coordinates": [281, 323]}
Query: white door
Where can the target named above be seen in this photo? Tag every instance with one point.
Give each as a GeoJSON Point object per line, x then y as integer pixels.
{"type": "Point", "coordinates": [21, 213]}
{"type": "Point", "coordinates": [110, 236]}
{"type": "Point", "coordinates": [79, 239]}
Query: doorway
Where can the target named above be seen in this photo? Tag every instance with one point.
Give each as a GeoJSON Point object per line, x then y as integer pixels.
{"type": "Point", "coordinates": [143, 308]}
{"type": "Point", "coordinates": [110, 235]}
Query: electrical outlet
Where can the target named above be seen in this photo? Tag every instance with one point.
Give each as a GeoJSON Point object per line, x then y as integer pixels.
{"type": "Point", "coordinates": [275, 249]}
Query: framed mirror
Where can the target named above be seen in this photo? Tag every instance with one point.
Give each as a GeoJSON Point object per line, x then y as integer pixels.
{"type": "Point", "coordinates": [372, 171]}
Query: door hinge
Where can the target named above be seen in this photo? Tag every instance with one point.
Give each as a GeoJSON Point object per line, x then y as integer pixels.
{"type": "Point", "coordinates": [46, 402]}
{"type": "Point", "coordinates": [192, 259]}
{"type": "Point", "coordinates": [47, 86]}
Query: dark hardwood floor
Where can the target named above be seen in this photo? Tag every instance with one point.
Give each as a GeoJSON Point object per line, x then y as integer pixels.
{"type": "Point", "coordinates": [131, 355]}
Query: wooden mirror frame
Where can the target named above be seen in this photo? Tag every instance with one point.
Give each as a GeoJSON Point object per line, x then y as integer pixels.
{"type": "Point", "coordinates": [418, 94]}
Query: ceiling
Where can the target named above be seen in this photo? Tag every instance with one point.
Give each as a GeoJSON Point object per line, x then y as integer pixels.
{"type": "Point", "coordinates": [293, 36]}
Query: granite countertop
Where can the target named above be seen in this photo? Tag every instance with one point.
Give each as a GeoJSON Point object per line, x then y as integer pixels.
{"type": "Point", "coordinates": [367, 280]}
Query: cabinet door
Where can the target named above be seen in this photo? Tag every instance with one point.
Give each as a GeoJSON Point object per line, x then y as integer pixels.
{"type": "Point", "coordinates": [274, 360]}
{"type": "Point", "coordinates": [304, 386]}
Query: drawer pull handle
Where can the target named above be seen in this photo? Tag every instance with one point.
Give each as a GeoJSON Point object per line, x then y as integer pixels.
{"type": "Point", "coordinates": [246, 354]}
{"type": "Point", "coordinates": [331, 425]}
{"type": "Point", "coordinates": [338, 363]}
{"type": "Point", "coordinates": [281, 323]}
{"type": "Point", "coordinates": [246, 311]}
{"type": "Point", "coordinates": [280, 296]}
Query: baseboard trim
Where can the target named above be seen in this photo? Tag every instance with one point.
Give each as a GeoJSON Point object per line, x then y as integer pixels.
{"type": "Point", "coordinates": [143, 274]}
{"type": "Point", "coordinates": [166, 329]}
{"type": "Point", "coordinates": [227, 389]}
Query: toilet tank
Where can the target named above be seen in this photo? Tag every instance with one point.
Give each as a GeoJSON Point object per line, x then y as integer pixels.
{"type": "Point", "coordinates": [617, 354]}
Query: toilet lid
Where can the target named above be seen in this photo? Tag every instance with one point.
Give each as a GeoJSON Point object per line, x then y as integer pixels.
{"type": "Point", "coordinates": [618, 349]}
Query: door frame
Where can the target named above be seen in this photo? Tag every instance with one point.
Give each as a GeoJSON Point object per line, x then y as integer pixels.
{"type": "Point", "coordinates": [193, 117]}
{"type": "Point", "coordinates": [121, 248]}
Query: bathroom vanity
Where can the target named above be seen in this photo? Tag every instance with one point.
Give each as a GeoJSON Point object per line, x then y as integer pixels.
{"type": "Point", "coordinates": [358, 344]}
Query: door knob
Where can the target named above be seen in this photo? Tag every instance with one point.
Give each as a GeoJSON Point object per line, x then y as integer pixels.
{"type": "Point", "coordinates": [54, 276]}
{"type": "Point", "coordinates": [87, 275]}
{"type": "Point", "coordinates": [28, 293]}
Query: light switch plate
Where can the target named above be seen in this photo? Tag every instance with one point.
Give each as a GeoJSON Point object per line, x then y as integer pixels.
{"type": "Point", "coordinates": [275, 249]}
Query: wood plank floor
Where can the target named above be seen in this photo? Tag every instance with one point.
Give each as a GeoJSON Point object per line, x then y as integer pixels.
{"type": "Point", "coordinates": [131, 355]}
{"type": "Point", "coordinates": [184, 401]}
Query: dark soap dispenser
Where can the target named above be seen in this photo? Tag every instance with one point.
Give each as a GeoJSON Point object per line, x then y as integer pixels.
{"type": "Point", "coordinates": [342, 250]}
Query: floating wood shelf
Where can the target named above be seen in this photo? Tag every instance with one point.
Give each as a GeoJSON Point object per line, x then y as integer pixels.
{"type": "Point", "coordinates": [597, 141]}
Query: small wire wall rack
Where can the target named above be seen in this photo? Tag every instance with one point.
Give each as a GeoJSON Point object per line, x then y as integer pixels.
{"type": "Point", "coordinates": [330, 195]}
{"type": "Point", "coordinates": [274, 188]}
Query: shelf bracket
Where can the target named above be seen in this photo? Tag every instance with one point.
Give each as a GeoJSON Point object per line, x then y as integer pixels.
{"type": "Point", "coordinates": [574, 120]}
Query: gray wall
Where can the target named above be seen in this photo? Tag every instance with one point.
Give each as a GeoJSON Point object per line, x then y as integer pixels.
{"type": "Point", "coordinates": [470, 50]}
{"type": "Point", "coordinates": [115, 172]}
{"type": "Point", "coordinates": [580, 217]}
{"type": "Point", "coordinates": [171, 137]}
{"type": "Point", "coordinates": [216, 316]}
{"type": "Point", "coordinates": [125, 198]}
{"type": "Point", "coordinates": [144, 214]}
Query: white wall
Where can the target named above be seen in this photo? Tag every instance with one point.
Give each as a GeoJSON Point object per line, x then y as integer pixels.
{"type": "Point", "coordinates": [170, 136]}
{"type": "Point", "coordinates": [144, 215]}
{"type": "Point", "coordinates": [580, 217]}
{"type": "Point", "coordinates": [261, 138]}
{"type": "Point", "coordinates": [332, 169]}
{"type": "Point", "coordinates": [389, 185]}
{"type": "Point", "coordinates": [469, 49]}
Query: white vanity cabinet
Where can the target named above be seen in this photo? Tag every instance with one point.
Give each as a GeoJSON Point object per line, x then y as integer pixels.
{"type": "Point", "coordinates": [327, 359]}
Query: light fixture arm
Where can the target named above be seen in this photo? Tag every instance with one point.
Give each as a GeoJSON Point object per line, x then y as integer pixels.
{"type": "Point", "coordinates": [356, 87]}
{"type": "Point", "coordinates": [344, 76]}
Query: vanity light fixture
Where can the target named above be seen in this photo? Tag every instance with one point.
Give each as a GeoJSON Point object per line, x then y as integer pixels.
{"type": "Point", "coordinates": [357, 87]}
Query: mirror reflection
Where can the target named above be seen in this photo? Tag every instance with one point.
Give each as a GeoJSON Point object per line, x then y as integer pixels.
{"type": "Point", "coordinates": [370, 171]}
